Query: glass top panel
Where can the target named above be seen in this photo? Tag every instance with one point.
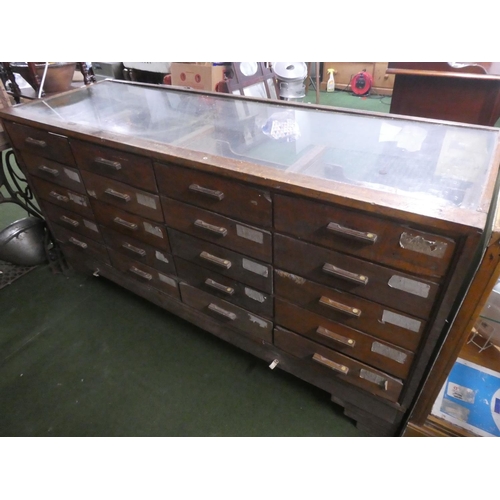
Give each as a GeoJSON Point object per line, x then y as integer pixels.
{"type": "Point", "coordinates": [429, 162]}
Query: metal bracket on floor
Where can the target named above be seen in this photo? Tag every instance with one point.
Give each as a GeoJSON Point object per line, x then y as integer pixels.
{"type": "Point", "coordinates": [274, 364]}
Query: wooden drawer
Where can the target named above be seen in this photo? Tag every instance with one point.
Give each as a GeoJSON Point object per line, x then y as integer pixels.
{"type": "Point", "coordinates": [80, 245]}
{"type": "Point", "coordinates": [144, 274]}
{"type": "Point", "coordinates": [123, 196]}
{"type": "Point", "coordinates": [226, 288]}
{"type": "Point", "coordinates": [63, 197]}
{"type": "Point", "coordinates": [218, 194]}
{"type": "Point", "coordinates": [218, 229]}
{"type": "Point", "coordinates": [361, 314]}
{"type": "Point", "coordinates": [72, 221]}
{"type": "Point", "coordinates": [374, 352]}
{"type": "Point", "coordinates": [395, 289]}
{"type": "Point", "coordinates": [40, 142]}
{"type": "Point", "coordinates": [130, 168]}
{"type": "Point", "coordinates": [223, 261]}
{"type": "Point", "coordinates": [131, 225]}
{"type": "Point", "coordinates": [139, 251]}
{"type": "Point", "coordinates": [326, 361]}
{"type": "Point", "coordinates": [359, 234]}
{"type": "Point", "coordinates": [54, 172]}
{"type": "Point", "coordinates": [230, 314]}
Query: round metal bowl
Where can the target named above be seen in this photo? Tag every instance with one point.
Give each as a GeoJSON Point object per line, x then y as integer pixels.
{"type": "Point", "coordinates": [58, 79]}
{"type": "Point", "coordinates": [22, 242]}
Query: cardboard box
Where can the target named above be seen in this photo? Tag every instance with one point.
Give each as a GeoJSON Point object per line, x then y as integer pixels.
{"type": "Point", "coordinates": [470, 398]}
{"type": "Point", "coordinates": [200, 76]}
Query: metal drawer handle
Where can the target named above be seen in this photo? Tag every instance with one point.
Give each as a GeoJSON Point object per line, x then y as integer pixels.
{"type": "Point", "coordinates": [128, 225]}
{"type": "Point", "coordinates": [221, 231]}
{"type": "Point", "coordinates": [73, 222]}
{"type": "Point", "coordinates": [330, 364]}
{"type": "Point", "coordinates": [351, 233]}
{"type": "Point", "coordinates": [352, 311]}
{"type": "Point", "coordinates": [140, 273]}
{"type": "Point", "coordinates": [52, 171]}
{"type": "Point", "coordinates": [78, 243]}
{"type": "Point", "coordinates": [131, 248]}
{"type": "Point", "coordinates": [108, 163]}
{"type": "Point", "coordinates": [347, 275]}
{"type": "Point", "coordinates": [226, 264]}
{"type": "Point", "coordinates": [216, 309]}
{"type": "Point", "coordinates": [35, 142]}
{"type": "Point", "coordinates": [218, 195]}
{"type": "Point", "coordinates": [221, 288]}
{"type": "Point", "coordinates": [335, 336]}
{"type": "Point", "coordinates": [116, 194]}
{"type": "Point", "coordinates": [59, 197]}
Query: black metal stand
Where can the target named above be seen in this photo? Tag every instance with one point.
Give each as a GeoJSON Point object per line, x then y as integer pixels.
{"type": "Point", "coordinates": [19, 192]}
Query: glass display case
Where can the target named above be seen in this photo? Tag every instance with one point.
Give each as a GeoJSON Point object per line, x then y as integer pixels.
{"type": "Point", "coordinates": [334, 244]}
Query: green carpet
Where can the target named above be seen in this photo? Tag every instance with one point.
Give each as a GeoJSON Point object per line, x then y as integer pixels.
{"type": "Point", "coordinates": [81, 356]}
{"type": "Point", "coordinates": [346, 99]}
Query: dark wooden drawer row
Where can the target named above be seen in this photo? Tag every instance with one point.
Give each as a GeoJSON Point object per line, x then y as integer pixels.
{"type": "Point", "coordinates": [40, 142]}
{"type": "Point", "coordinates": [234, 316]}
{"type": "Point", "coordinates": [218, 229]}
{"type": "Point", "coordinates": [256, 274]}
{"type": "Point", "coordinates": [327, 362]}
{"type": "Point", "coordinates": [132, 169]}
{"type": "Point", "coordinates": [220, 195]}
{"type": "Point", "coordinates": [373, 351]}
{"type": "Point", "coordinates": [54, 172]}
{"type": "Point", "coordinates": [123, 196]}
{"type": "Point", "coordinates": [364, 236]}
{"type": "Point", "coordinates": [62, 197]}
{"type": "Point", "coordinates": [226, 288]}
{"type": "Point", "coordinates": [407, 293]}
{"type": "Point", "coordinates": [73, 221]}
{"type": "Point", "coordinates": [382, 322]}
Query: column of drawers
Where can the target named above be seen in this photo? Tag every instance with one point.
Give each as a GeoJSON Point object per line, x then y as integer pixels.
{"type": "Point", "coordinates": [222, 245]}
{"type": "Point", "coordinates": [124, 197]}
{"type": "Point", "coordinates": [354, 293]}
{"type": "Point", "coordinates": [53, 175]}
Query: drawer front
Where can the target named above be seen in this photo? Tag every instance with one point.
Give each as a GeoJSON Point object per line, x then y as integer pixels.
{"type": "Point", "coordinates": [139, 251]}
{"type": "Point", "coordinates": [218, 229]}
{"type": "Point", "coordinates": [72, 221]}
{"type": "Point", "coordinates": [226, 288]}
{"type": "Point", "coordinates": [328, 362]}
{"type": "Point", "coordinates": [395, 289]}
{"type": "Point", "coordinates": [54, 172]}
{"type": "Point", "coordinates": [144, 274]}
{"type": "Point", "coordinates": [221, 195]}
{"type": "Point", "coordinates": [374, 352]}
{"type": "Point", "coordinates": [123, 196]}
{"type": "Point", "coordinates": [40, 142]}
{"type": "Point", "coordinates": [129, 168]}
{"type": "Point", "coordinates": [62, 197]}
{"type": "Point", "coordinates": [80, 245]}
{"type": "Point", "coordinates": [361, 235]}
{"type": "Point", "coordinates": [223, 261]}
{"type": "Point", "coordinates": [230, 314]}
{"type": "Point", "coordinates": [131, 225]}
{"type": "Point", "coordinates": [384, 323]}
